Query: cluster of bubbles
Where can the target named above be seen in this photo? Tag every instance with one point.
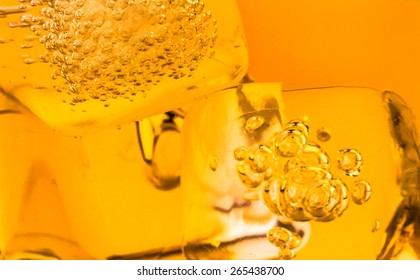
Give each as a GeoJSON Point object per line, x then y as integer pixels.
{"type": "Point", "coordinates": [292, 176]}
{"type": "Point", "coordinates": [285, 240]}
{"type": "Point", "coordinates": [105, 49]}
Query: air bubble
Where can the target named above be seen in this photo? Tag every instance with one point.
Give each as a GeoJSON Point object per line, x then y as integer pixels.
{"type": "Point", "coordinates": [240, 153]}
{"type": "Point", "coordinates": [294, 187]}
{"type": "Point", "coordinates": [292, 139]}
{"type": "Point", "coordinates": [213, 163]}
{"type": "Point", "coordinates": [248, 176]}
{"type": "Point", "coordinates": [253, 123]}
{"type": "Point", "coordinates": [26, 18]}
{"type": "Point", "coordinates": [26, 46]}
{"type": "Point", "coordinates": [289, 143]}
{"type": "Point", "coordinates": [30, 38]}
{"type": "Point", "coordinates": [350, 161]}
{"type": "Point", "coordinates": [34, 3]}
{"type": "Point", "coordinates": [309, 193]}
{"type": "Point", "coordinates": [376, 226]}
{"type": "Point", "coordinates": [323, 134]}
{"type": "Point", "coordinates": [361, 192]}
{"type": "Point", "coordinates": [299, 125]}
{"type": "Point", "coordinates": [260, 157]}
{"type": "Point", "coordinates": [269, 193]}
{"type": "Point", "coordinates": [286, 254]}
{"type": "Point", "coordinates": [285, 240]}
{"type": "Point", "coordinates": [279, 236]}
{"type": "Point", "coordinates": [322, 199]}
{"type": "Point", "coordinates": [312, 155]}
{"type": "Point", "coordinates": [29, 60]}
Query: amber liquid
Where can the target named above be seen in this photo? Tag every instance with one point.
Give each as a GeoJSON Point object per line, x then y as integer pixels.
{"type": "Point", "coordinates": [385, 226]}
{"type": "Point", "coordinates": [93, 196]}
{"type": "Point", "coordinates": [352, 193]}
{"type": "Point", "coordinates": [74, 75]}
{"type": "Point", "coordinates": [325, 43]}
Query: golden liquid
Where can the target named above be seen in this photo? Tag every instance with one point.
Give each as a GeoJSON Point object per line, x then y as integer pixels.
{"type": "Point", "coordinates": [94, 197]}
{"type": "Point", "coordinates": [88, 64]}
{"type": "Point", "coordinates": [361, 231]}
{"type": "Point", "coordinates": [90, 197]}
{"type": "Point", "coordinates": [337, 42]}
{"type": "Point", "coordinates": [351, 195]}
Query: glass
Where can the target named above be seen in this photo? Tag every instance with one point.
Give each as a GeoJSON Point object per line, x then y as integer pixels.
{"type": "Point", "coordinates": [222, 219]}
{"type": "Point", "coordinates": [325, 173]}
{"type": "Point", "coordinates": [336, 179]}
{"type": "Point", "coordinates": [84, 65]}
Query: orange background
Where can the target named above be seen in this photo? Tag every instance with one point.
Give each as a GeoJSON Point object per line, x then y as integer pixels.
{"type": "Point", "coordinates": [373, 43]}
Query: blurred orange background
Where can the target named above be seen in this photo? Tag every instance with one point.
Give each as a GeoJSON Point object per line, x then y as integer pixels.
{"type": "Point", "coordinates": [301, 43]}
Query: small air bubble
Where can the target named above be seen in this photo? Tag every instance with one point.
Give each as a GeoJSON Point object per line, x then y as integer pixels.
{"type": "Point", "coordinates": [249, 177]}
{"type": "Point", "coordinates": [313, 155]}
{"type": "Point", "coordinates": [253, 123]}
{"type": "Point", "coordinates": [285, 240]}
{"type": "Point", "coordinates": [29, 60]}
{"type": "Point", "coordinates": [260, 157]}
{"type": "Point", "coordinates": [289, 142]}
{"type": "Point", "coordinates": [286, 254]}
{"type": "Point", "coordinates": [361, 192]}
{"type": "Point", "coordinates": [34, 3]}
{"type": "Point", "coordinates": [299, 125]}
{"type": "Point", "coordinates": [30, 38]}
{"type": "Point", "coordinates": [350, 161]}
{"type": "Point", "coordinates": [323, 134]}
{"type": "Point", "coordinates": [240, 153]}
{"type": "Point", "coordinates": [213, 163]}
{"type": "Point", "coordinates": [26, 46]}
{"type": "Point", "coordinates": [269, 192]}
{"type": "Point", "coordinates": [279, 236]}
{"type": "Point", "coordinates": [376, 226]}
{"type": "Point", "coordinates": [26, 18]}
